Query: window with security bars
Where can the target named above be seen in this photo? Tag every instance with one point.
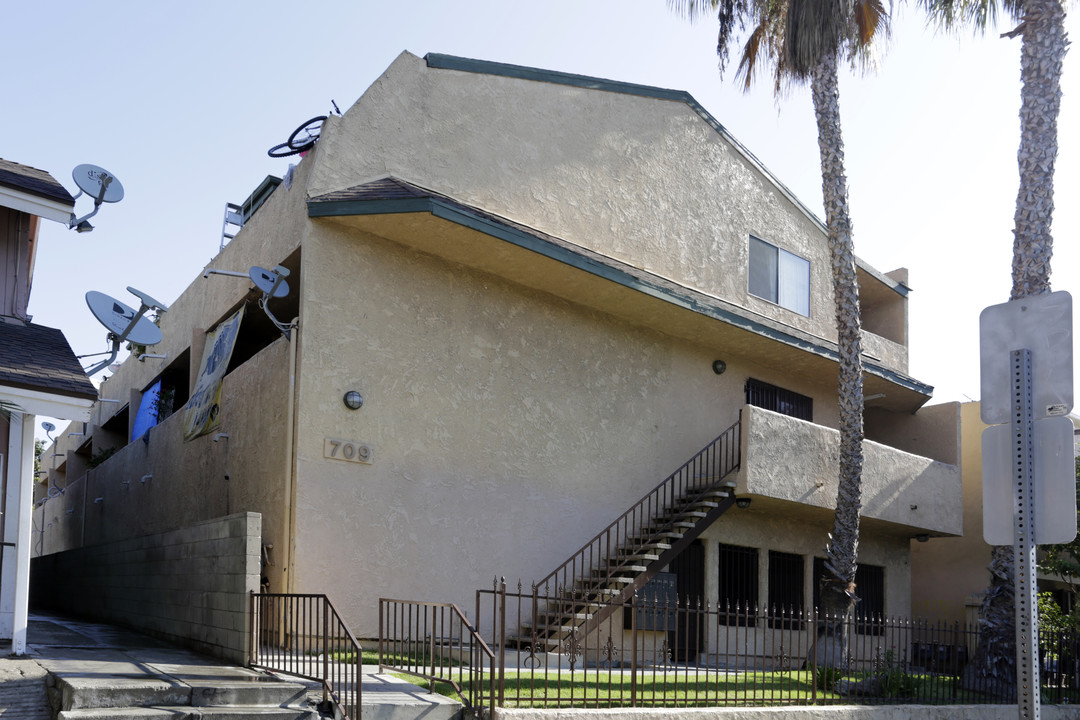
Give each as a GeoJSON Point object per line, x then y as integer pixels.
{"type": "Point", "coordinates": [870, 589]}
{"type": "Point", "coordinates": [770, 397]}
{"type": "Point", "coordinates": [738, 584]}
{"type": "Point", "coordinates": [785, 589]}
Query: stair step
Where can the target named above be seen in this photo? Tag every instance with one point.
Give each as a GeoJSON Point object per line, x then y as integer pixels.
{"type": "Point", "coordinates": [618, 567]}
{"type": "Point", "coordinates": [110, 691]}
{"type": "Point", "coordinates": [238, 712]}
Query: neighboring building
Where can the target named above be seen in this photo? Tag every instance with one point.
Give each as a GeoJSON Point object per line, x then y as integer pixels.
{"type": "Point", "coordinates": [39, 375]}
{"type": "Point", "coordinates": [950, 575]}
{"type": "Point", "coordinates": [529, 277]}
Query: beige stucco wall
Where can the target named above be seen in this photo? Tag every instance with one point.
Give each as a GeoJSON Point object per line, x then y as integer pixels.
{"type": "Point", "coordinates": [642, 180]}
{"type": "Point", "coordinates": [507, 427]}
{"type": "Point", "coordinates": [947, 571]}
{"type": "Point", "coordinates": [188, 480]}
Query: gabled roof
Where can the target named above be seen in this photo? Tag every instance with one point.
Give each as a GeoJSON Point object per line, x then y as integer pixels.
{"type": "Point", "coordinates": [521, 72]}
{"type": "Point", "coordinates": [34, 191]}
{"type": "Point", "coordinates": [35, 357]}
{"type": "Point", "coordinates": [34, 182]}
{"type": "Point", "coordinates": [390, 195]}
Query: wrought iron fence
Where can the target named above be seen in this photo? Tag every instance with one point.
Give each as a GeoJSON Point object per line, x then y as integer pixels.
{"type": "Point", "coordinates": [436, 642]}
{"type": "Point", "coordinates": [303, 635]}
{"type": "Point", "coordinates": [651, 652]}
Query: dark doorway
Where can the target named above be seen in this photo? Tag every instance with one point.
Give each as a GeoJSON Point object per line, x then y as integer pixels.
{"type": "Point", "coordinates": [689, 569]}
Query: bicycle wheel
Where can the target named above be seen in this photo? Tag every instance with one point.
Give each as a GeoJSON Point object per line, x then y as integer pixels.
{"type": "Point", "coordinates": [305, 136]}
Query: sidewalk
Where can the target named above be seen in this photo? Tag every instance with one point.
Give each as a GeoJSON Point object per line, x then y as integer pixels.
{"type": "Point", "coordinates": [105, 664]}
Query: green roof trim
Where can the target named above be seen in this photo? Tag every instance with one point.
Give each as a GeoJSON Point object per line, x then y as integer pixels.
{"type": "Point", "coordinates": [452, 211]}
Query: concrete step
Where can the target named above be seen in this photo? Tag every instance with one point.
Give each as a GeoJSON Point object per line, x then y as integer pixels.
{"type": "Point", "coordinates": [76, 693]}
{"type": "Point", "coordinates": [186, 712]}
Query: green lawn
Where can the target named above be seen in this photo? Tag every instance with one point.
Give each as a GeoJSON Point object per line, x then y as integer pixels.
{"type": "Point", "coordinates": [693, 688]}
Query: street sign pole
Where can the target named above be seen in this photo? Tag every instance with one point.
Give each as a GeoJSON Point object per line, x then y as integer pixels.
{"type": "Point", "coordinates": [1024, 524]}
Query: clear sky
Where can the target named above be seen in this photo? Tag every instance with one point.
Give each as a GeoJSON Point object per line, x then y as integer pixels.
{"type": "Point", "coordinates": [181, 102]}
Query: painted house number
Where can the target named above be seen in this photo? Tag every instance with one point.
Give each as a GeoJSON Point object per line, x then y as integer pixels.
{"type": "Point", "coordinates": [337, 449]}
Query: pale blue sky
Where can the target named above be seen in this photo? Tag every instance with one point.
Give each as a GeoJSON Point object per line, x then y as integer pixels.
{"type": "Point", "coordinates": [181, 102]}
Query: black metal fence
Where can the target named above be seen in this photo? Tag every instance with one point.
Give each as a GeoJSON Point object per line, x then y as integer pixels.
{"type": "Point", "coordinates": [303, 635]}
{"type": "Point", "coordinates": [654, 652]}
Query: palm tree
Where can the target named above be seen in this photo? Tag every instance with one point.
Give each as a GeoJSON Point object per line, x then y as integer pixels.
{"type": "Point", "coordinates": [805, 41]}
{"type": "Point", "coordinates": [1043, 45]}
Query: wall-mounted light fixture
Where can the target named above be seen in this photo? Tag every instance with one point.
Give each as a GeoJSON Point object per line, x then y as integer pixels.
{"type": "Point", "coordinates": [743, 503]}
{"type": "Point", "coordinates": [719, 366]}
{"type": "Point", "coordinates": [922, 538]}
{"type": "Point", "coordinates": [353, 400]}
{"type": "Point", "coordinates": [97, 500]}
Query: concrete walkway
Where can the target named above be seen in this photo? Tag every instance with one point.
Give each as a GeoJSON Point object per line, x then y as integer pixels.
{"type": "Point", "coordinates": [73, 666]}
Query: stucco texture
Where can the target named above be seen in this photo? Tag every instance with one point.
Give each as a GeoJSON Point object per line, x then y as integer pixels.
{"type": "Point", "coordinates": [646, 181]}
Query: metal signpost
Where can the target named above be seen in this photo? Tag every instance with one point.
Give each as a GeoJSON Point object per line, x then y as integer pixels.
{"type": "Point", "coordinates": [1029, 484]}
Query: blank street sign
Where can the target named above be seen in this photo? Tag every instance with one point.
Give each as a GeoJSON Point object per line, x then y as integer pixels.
{"type": "Point", "coordinates": [1053, 480]}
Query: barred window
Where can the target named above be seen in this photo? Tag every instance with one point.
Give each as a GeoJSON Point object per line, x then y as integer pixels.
{"type": "Point", "coordinates": [738, 583]}
{"type": "Point", "coordinates": [869, 587]}
{"type": "Point", "coordinates": [770, 397]}
{"type": "Point", "coordinates": [785, 588]}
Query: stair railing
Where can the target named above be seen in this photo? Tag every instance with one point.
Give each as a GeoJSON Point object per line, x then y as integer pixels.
{"type": "Point", "coordinates": [702, 474]}
{"type": "Point", "coordinates": [303, 635]}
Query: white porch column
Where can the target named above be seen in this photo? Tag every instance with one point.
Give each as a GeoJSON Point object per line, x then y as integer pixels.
{"type": "Point", "coordinates": [20, 510]}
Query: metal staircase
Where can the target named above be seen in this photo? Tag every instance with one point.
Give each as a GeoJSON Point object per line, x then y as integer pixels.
{"type": "Point", "coordinates": [587, 588]}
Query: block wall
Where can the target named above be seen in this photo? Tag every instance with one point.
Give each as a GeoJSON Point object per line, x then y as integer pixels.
{"type": "Point", "coordinates": [189, 586]}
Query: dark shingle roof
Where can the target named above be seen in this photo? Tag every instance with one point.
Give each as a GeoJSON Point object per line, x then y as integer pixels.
{"type": "Point", "coordinates": [39, 358]}
{"type": "Point", "coordinates": [33, 181]}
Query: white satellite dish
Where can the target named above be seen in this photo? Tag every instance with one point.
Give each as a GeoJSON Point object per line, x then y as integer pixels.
{"type": "Point", "coordinates": [270, 282]}
{"type": "Point", "coordinates": [121, 320]}
{"type": "Point", "coordinates": [98, 183]}
{"type": "Point", "coordinates": [123, 323]}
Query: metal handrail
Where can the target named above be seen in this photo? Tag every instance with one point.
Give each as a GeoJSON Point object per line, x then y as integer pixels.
{"type": "Point", "coordinates": [436, 642]}
{"type": "Point", "coordinates": [712, 464]}
{"type": "Point", "coordinates": [300, 634]}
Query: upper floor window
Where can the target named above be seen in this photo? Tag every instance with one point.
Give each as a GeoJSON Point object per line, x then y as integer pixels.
{"type": "Point", "coordinates": [779, 276]}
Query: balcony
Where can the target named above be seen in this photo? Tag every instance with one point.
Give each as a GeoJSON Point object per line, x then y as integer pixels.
{"type": "Point", "coordinates": [793, 465]}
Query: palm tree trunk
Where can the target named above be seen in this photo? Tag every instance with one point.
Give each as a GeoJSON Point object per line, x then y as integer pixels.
{"type": "Point", "coordinates": [1042, 52]}
{"type": "Point", "coordinates": [838, 585]}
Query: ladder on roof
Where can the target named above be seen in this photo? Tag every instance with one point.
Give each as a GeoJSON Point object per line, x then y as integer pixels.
{"type": "Point", "coordinates": [233, 217]}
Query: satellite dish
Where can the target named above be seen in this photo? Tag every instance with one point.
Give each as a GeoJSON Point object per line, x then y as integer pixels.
{"type": "Point", "coordinates": [121, 321]}
{"type": "Point", "coordinates": [147, 301]}
{"type": "Point", "coordinates": [98, 183]}
{"type": "Point", "coordinates": [270, 282]}
{"type": "Point", "coordinates": [48, 427]}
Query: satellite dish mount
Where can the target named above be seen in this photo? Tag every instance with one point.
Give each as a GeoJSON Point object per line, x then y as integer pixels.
{"type": "Point", "coordinates": [99, 184]}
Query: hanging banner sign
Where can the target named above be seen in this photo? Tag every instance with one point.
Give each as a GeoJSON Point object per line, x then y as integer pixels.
{"type": "Point", "coordinates": [202, 412]}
